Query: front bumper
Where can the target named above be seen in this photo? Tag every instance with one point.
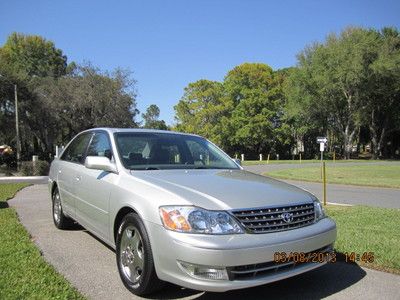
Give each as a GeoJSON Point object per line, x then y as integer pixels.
{"type": "Point", "coordinates": [233, 251]}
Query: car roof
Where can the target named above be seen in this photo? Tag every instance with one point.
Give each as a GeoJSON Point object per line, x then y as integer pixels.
{"type": "Point", "coordinates": [143, 130]}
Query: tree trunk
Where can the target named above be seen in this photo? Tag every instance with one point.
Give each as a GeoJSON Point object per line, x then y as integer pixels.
{"type": "Point", "coordinates": [348, 126]}
{"type": "Point", "coordinates": [377, 138]}
{"type": "Point", "coordinates": [348, 136]}
{"type": "Point", "coordinates": [374, 138]}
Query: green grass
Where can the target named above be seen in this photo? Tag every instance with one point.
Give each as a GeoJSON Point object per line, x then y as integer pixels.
{"type": "Point", "coordinates": [24, 274]}
{"type": "Point", "coordinates": [367, 175]}
{"type": "Point", "coordinates": [265, 162]}
{"type": "Point", "coordinates": [369, 229]}
{"type": "Point", "coordinates": [304, 161]}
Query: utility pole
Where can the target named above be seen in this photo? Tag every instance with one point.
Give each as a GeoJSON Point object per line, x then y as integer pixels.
{"type": "Point", "coordinates": [17, 126]}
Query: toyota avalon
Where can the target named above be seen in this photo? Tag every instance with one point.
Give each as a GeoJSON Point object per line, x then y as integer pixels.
{"type": "Point", "coordinates": [177, 209]}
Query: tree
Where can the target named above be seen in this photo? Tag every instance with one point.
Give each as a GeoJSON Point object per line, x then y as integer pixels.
{"type": "Point", "coordinates": [32, 55]}
{"type": "Point", "coordinates": [332, 80]}
{"type": "Point", "coordinates": [202, 109]}
{"type": "Point", "coordinates": [151, 120]}
{"type": "Point", "coordinates": [381, 111]}
{"type": "Point", "coordinates": [257, 97]}
{"type": "Point", "coordinates": [24, 58]}
{"type": "Point", "coordinates": [57, 101]}
{"type": "Point", "coordinates": [86, 99]}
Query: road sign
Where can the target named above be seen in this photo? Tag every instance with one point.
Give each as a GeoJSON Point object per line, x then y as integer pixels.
{"type": "Point", "coordinates": [321, 147]}
{"type": "Point", "coordinates": [322, 139]}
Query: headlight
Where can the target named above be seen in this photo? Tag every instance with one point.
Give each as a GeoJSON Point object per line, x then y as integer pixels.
{"type": "Point", "coordinates": [193, 219]}
{"type": "Point", "coordinates": [318, 210]}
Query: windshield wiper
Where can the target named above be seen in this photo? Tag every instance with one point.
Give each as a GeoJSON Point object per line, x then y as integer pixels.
{"type": "Point", "coordinates": [152, 168]}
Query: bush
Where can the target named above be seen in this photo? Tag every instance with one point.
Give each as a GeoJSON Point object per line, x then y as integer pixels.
{"type": "Point", "coordinates": [40, 168]}
{"type": "Point", "coordinates": [9, 159]}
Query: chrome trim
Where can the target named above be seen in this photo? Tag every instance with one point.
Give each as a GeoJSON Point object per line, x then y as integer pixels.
{"type": "Point", "coordinates": [270, 219]}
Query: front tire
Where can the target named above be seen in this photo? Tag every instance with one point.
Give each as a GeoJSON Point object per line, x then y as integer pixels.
{"type": "Point", "coordinates": [60, 220]}
{"type": "Point", "coordinates": [135, 258]}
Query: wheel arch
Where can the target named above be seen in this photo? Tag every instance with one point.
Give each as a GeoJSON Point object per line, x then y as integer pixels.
{"type": "Point", "coordinates": [53, 188]}
{"type": "Point", "coordinates": [118, 218]}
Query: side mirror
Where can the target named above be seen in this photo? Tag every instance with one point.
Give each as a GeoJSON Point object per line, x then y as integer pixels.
{"type": "Point", "coordinates": [100, 163]}
{"type": "Point", "coordinates": [237, 161]}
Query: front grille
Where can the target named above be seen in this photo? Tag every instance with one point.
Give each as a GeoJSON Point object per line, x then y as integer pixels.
{"type": "Point", "coordinates": [246, 272]}
{"type": "Point", "coordinates": [270, 219]}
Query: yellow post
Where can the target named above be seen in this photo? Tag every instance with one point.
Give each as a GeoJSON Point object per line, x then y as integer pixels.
{"type": "Point", "coordinates": [300, 157]}
{"type": "Point", "coordinates": [324, 180]}
{"type": "Point", "coordinates": [334, 156]}
{"type": "Point", "coordinates": [268, 159]}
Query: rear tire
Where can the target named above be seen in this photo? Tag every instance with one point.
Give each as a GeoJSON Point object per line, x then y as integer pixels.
{"type": "Point", "coordinates": [60, 220]}
{"type": "Point", "coordinates": [135, 258]}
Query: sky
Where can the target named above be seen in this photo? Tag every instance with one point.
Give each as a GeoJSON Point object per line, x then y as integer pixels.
{"type": "Point", "coordinates": [170, 43]}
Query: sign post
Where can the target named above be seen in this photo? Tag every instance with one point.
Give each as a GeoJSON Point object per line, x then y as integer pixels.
{"type": "Point", "coordinates": [322, 140]}
{"type": "Point", "coordinates": [324, 181]}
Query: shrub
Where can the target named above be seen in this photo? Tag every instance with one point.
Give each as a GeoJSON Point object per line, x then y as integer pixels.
{"type": "Point", "coordinates": [9, 159]}
{"type": "Point", "coordinates": [39, 168]}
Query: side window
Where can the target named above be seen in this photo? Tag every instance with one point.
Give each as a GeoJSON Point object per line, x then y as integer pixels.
{"type": "Point", "coordinates": [76, 150]}
{"type": "Point", "coordinates": [100, 146]}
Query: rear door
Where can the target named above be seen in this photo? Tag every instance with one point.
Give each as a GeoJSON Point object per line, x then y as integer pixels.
{"type": "Point", "coordinates": [71, 164]}
{"type": "Point", "coordinates": [94, 188]}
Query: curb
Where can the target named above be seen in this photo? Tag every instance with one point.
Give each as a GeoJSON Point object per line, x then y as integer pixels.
{"type": "Point", "coordinates": [27, 179]}
{"type": "Point", "coordinates": [339, 204]}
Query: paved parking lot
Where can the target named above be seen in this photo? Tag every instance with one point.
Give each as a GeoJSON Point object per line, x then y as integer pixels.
{"type": "Point", "coordinates": [90, 265]}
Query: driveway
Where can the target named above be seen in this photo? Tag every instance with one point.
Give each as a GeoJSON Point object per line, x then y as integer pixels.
{"type": "Point", "coordinates": [90, 265]}
{"type": "Point", "coordinates": [340, 193]}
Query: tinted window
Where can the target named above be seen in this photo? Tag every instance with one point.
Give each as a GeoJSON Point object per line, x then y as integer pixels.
{"type": "Point", "coordinates": [100, 146]}
{"type": "Point", "coordinates": [203, 156]}
{"type": "Point", "coordinates": [148, 151]}
{"type": "Point", "coordinates": [75, 152]}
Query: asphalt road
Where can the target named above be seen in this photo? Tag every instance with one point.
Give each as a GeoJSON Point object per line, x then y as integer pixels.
{"type": "Point", "coordinates": [339, 193]}
{"type": "Point", "coordinates": [90, 265]}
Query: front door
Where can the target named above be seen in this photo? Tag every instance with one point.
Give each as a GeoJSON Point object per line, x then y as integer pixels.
{"type": "Point", "coordinates": [94, 188]}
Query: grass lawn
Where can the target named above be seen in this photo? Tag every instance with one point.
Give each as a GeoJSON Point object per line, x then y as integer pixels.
{"type": "Point", "coordinates": [369, 175]}
{"type": "Point", "coordinates": [304, 161]}
{"type": "Point", "coordinates": [369, 229]}
{"type": "Point", "coordinates": [285, 161]}
{"type": "Point", "coordinates": [24, 274]}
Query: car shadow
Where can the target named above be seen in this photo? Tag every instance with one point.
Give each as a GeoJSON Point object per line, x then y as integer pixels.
{"type": "Point", "coordinates": [320, 283]}
{"type": "Point", "coordinates": [99, 240]}
{"type": "Point", "coordinates": [75, 227]}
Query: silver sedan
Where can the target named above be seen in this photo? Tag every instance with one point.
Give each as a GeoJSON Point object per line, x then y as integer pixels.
{"type": "Point", "coordinates": [177, 209]}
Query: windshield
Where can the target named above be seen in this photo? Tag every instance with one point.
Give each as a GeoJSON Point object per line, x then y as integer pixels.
{"type": "Point", "coordinates": [156, 151]}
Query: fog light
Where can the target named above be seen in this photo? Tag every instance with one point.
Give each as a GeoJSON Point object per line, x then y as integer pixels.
{"type": "Point", "coordinates": [204, 272]}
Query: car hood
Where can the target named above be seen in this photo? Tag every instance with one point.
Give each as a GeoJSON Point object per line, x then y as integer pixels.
{"type": "Point", "coordinates": [224, 189]}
